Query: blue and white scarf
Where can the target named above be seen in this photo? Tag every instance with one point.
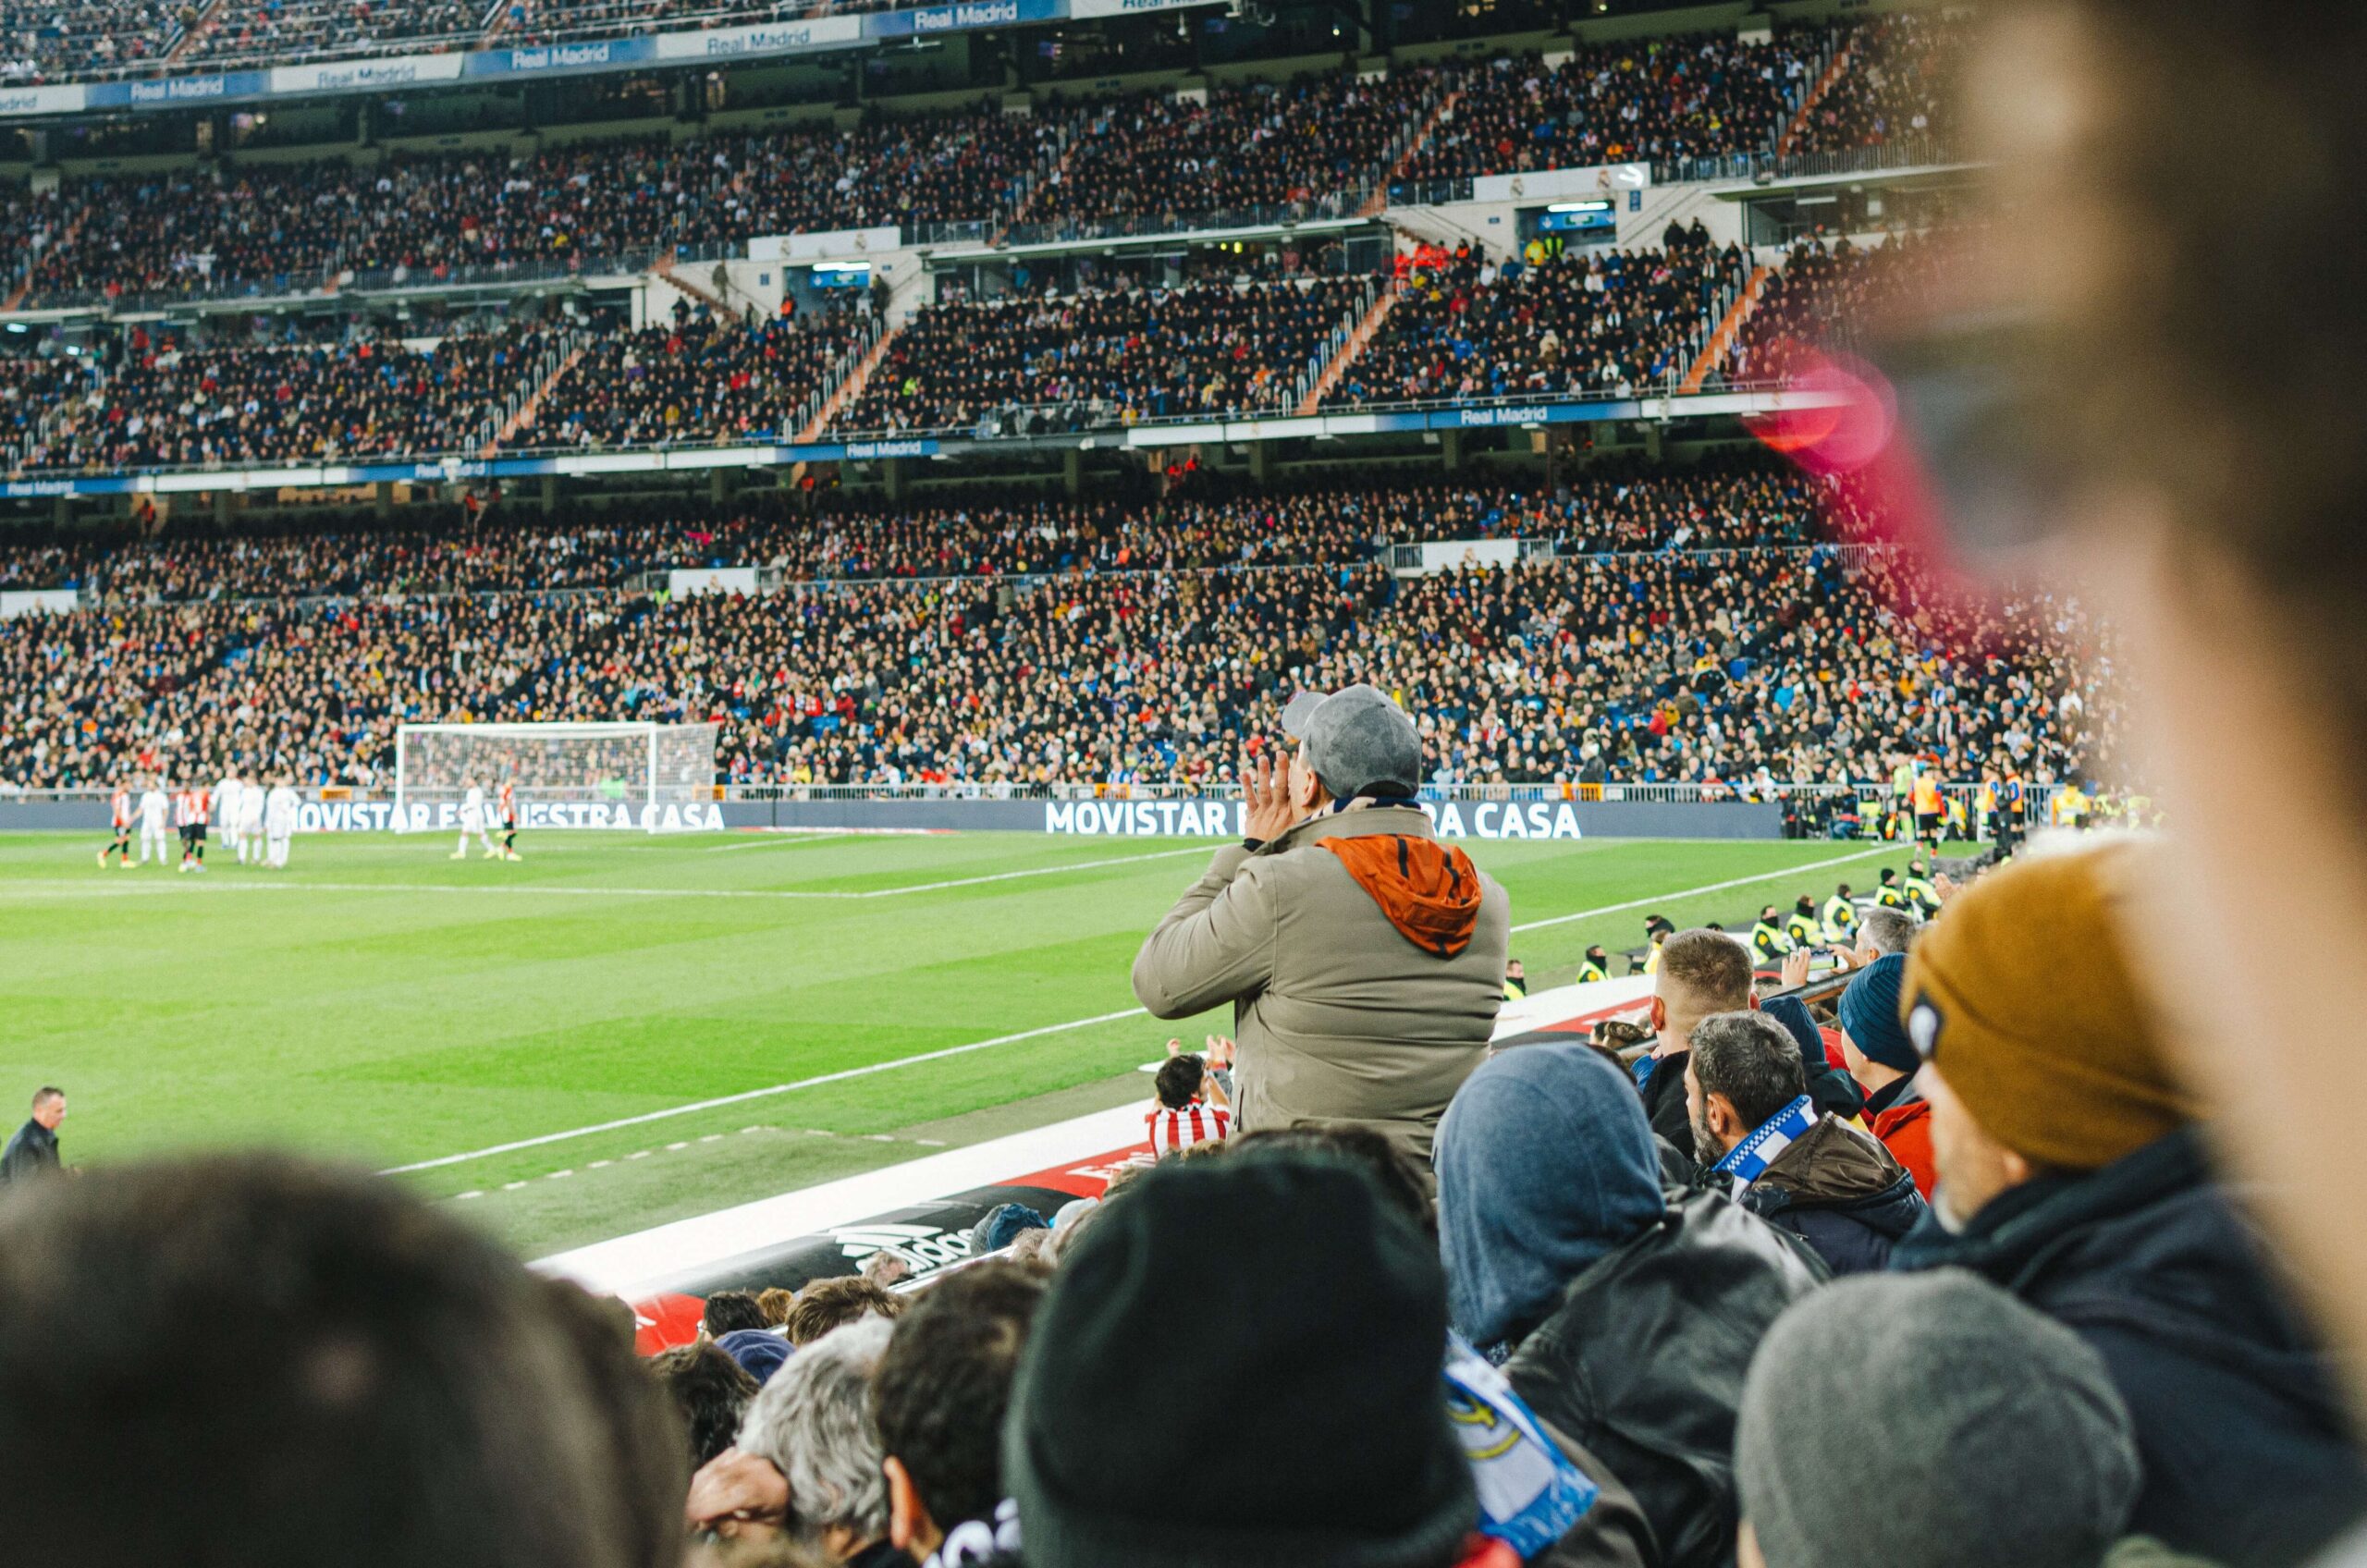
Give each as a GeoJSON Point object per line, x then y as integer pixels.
{"type": "Point", "coordinates": [1531, 1495]}
{"type": "Point", "coordinates": [1747, 1161]}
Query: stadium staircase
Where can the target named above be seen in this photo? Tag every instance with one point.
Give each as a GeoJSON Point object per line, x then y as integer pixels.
{"type": "Point", "coordinates": [1036, 188]}
{"type": "Point", "coordinates": [525, 415]}
{"type": "Point", "coordinates": [1378, 202]}
{"type": "Point", "coordinates": [1723, 336]}
{"type": "Point", "coordinates": [663, 267]}
{"type": "Point", "coordinates": [848, 388]}
{"type": "Point", "coordinates": [1832, 73]}
{"type": "Point", "coordinates": [1349, 351]}
{"type": "Point", "coordinates": [195, 31]}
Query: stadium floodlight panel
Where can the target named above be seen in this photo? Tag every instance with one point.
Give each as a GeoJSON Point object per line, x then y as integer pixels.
{"type": "Point", "coordinates": [636, 768]}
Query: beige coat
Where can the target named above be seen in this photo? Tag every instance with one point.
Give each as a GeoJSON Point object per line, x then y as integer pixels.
{"type": "Point", "coordinates": [1338, 1015]}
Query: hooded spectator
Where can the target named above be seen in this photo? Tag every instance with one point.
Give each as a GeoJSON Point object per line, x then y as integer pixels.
{"type": "Point", "coordinates": [241, 1358]}
{"type": "Point", "coordinates": [1931, 1420]}
{"type": "Point", "coordinates": [1381, 1020]}
{"type": "Point", "coordinates": [1812, 1174]}
{"type": "Point", "coordinates": [1883, 1059]}
{"type": "Point", "coordinates": [1631, 1317]}
{"type": "Point", "coordinates": [2071, 1173]}
{"type": "Point", "coordinates": [1334, 1426]}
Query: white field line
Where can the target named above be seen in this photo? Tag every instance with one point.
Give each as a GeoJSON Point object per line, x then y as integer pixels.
{"type": "Point", "coordinates": [747, 1094]}
{"type": "Point", "coordinates": [879, 1067]}
{"type": "Point", "coordinates": [1705, 888]}
{"type": "Point", "coordinates": [117, 889]}
{"type": "Point", "coordinates": [775, 841]}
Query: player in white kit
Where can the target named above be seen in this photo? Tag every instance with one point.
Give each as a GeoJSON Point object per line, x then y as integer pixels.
{"type": "Point", "coordinates": [154, 809]}
{"type": "Point", "coordinates": [279, 820]}
{"type": "Point", "coordinates": [226, 811]}
{"type": "Point", "coordinates": [473, 820]}
{"type": "Point", "coordinates": [250, 838]}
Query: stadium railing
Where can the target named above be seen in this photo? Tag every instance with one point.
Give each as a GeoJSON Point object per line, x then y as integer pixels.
{"type": "Point", "coordinates": [1910, 153]}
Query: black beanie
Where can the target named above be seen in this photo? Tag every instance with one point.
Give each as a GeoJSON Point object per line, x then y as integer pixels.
{"type": "Point", "coordinates": [1239, 1364]}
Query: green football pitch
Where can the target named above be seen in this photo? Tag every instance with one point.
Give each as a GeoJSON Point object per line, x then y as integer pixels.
{"type": "Point", "coordinates": [382, 1004]}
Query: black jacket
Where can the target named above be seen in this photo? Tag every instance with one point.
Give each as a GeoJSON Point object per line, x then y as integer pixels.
{"type": "Point", "coordinates": [1642, 1363]}
{"type": "Point", "coordinates": [35, 1148]}
{"type": "Point", "coordinates": [1839, 1191]}
{"type": "Point", "coordinates": [1665, 1099]}
{"type": "Point", "coordinates": [2246, 1452]}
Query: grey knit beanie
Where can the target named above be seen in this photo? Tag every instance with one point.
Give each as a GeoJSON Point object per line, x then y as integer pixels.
{"type": "Point", "coordinates": [1931, 1419]}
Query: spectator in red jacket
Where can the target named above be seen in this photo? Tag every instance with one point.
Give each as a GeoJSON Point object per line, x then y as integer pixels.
{"type": "Point", "coordinates": [1883, 1059]}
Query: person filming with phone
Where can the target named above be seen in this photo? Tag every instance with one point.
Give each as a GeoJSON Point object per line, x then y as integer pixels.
{"type": "Point", "coordinates": [1364, 959]}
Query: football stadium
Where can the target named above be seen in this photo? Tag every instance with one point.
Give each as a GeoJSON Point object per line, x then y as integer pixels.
{"type": "Point", "coordinates": [1089, 783]}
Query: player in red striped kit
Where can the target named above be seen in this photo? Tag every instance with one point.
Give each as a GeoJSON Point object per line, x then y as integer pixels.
{"type": "Point", "coordinates": [192, 810]}
{"type": "Point", "coordinates": [119, 818]}
{"type": "Point", "coordinates": [1181, 1117]}
{"type": "Point", "coordinates": [508, 820]}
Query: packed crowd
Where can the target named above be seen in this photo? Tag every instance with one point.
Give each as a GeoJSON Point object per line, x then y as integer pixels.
{"type": "Point", "coordinates": [1900, 86]}
{"type": "Point", "coordinates": [1689, 95]}
{"type": "Point", "coordinates": [1137, 161]}
{"type": "Point", "coordinates": [41, 41]}
{"type": "Point", "coordinates": [1313, 144]}
{"type": "Point", "coordinates": [151, 398]}
{"type": "Point", "coordinates": [1034, 362]}
{"type": "Point", "coordinates": [1609, 508]}
{"type": "Point", "coordinates": [699, 380]}
{"type": "Point", "coordinates": [270, 229]}
{"type": "Point", "coordinates": [1748, 667]}
{"type": "Point", "coordinates": [307, 688]}
{"type": "Point", "coordinates": [243, 32]}
{"type": "Point", "coordinates": [1829, 297]}
{"type": "Point", "coordinates": [1576, 324]}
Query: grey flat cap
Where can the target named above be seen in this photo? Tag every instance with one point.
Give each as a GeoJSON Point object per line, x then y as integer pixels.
{"type": "Point", "coordinates": [1357, 741]}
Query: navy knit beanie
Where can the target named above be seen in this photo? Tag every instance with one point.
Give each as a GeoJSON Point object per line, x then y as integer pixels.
{"type": "Point", "coordinates": [1870, 1014]}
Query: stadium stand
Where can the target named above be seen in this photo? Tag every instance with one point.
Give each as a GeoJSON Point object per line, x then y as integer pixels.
{"type": "Point", "coordinates": [1576, 324]}
{"type": "Point", "coordinates": [1684, 97]}
{"type": "Point", "coordinates": [1038, 362]}
{"type": "Point", "coordinates": [158, 401]}
{"type": "Point", "coordinates": [698, 380]}
{"type": "Point", "coordinates": [1144, 660]}
{"type": "Point", "coordinates": [1611, 507]}
{"type": "Point", "coordinates": [1568, 1343]}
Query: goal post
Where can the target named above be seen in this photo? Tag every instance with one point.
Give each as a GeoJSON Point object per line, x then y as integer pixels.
{"type": "Point", "coordinates": [658, 778]}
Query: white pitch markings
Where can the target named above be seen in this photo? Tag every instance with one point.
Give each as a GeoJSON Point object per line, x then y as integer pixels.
{"type": "Point", "coordinates": [547, 891]}
{"type": "Point", "coordinates": [1706, 887]}
{"type": "Point", "coordinates": [841, 1076]}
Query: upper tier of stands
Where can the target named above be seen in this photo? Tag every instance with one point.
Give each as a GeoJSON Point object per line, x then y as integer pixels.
{"type": "Point", "coordinates": [1325, 144]}
{"type": "Point", "coordinates": [1458, 328]}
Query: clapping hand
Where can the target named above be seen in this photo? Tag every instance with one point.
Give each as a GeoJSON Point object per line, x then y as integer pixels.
{"type": "Point", "coordinates": [1271, 814]}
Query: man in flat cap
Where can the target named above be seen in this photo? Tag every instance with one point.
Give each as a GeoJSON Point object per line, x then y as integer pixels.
{"type": "Point", "coordinates": [1364, 959]}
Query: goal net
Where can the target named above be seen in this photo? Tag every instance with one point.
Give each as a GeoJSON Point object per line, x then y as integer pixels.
{"type": "Point", "coordinates": [659, 778]}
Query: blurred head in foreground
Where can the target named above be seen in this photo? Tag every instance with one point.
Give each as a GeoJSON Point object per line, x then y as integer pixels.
{"type": "Point", "coordinates": [2196, 454]}
{"type": "Point", "coordinates": [251, 1359]}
